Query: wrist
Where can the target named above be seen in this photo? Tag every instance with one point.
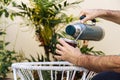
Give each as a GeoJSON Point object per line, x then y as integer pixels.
{"type": "Point", "coordinates": [105, 14]}
{"type": "Point", "coordinates": [81, 60]}
{"type": "Point", "coordinates": [102, 13]}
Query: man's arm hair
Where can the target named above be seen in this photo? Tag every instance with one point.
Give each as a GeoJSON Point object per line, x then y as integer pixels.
{"type": "Point", "coordinates": [111, 15]}
{"type": "Point", "coordinates": [99, 63]}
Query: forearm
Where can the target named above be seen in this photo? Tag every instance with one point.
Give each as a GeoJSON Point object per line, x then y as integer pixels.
{"type": "Point", "coordinates": [99, 63]}
{"type": "Point", "coordinates": [111, 15]}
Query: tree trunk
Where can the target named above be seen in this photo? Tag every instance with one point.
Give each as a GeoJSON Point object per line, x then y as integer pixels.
{"type": "Point", "coordinates": [47, 52]}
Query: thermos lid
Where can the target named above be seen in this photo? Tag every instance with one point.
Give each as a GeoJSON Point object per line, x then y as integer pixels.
{"type": "Point", "coordinates": [70, 29]}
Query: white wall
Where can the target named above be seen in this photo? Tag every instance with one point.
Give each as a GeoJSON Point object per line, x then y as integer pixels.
{"type": "Point", "coordinates": [111, 42]}
{"type": "Point", "coordinates": [22, 38]}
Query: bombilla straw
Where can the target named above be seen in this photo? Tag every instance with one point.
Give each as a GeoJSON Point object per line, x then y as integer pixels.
{"type": "Point", "coordinates": [78, 35]}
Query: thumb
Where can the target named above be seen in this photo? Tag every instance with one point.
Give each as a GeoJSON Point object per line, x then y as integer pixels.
{"type": "Point", "coordinates": [85, 20]}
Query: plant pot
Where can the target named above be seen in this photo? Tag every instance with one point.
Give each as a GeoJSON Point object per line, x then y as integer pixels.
{"type": "Point", "coordinates": [5, 79]}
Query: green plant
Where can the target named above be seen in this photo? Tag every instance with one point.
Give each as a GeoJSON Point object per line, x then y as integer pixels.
{"type": "Point", "coordinates": [47, 17]}
{"type": "Point", "coordinates": [4, 9]}
{"type": "Point", "coordinates": [7, 57]}
{"type": "Point", "coordinates": [39, 58]}
{"type": "Point", "coordinates": [89, 51]}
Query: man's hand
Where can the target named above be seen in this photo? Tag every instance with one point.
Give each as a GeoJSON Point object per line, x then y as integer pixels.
{"type": "Point", "coordinates": [91, 14]}
{"type": "Point", "coordinates": [67, 52]}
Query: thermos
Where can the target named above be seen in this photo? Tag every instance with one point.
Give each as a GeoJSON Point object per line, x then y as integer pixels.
{"type": "Point", "coordinates": [85, 31]}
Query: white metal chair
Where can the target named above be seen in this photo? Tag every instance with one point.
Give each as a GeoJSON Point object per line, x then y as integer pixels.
{"type": "Point", "coordinates": [47, 71]}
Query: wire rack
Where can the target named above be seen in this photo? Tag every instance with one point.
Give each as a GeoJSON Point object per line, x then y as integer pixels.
{"type": "Point", "coordinates": [48, 71]}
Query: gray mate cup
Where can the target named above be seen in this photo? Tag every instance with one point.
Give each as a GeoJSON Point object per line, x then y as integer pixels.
{"type": "Point", "coordinates": [70, 42]}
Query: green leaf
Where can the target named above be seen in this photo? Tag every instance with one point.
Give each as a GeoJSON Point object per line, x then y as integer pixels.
{"type": "Point", "coordinates": [7, 43]}
{"type": "Point", "coordinates": [1, 33]}
{"type": "Point", "coordinates": [5, 1]}
{"type": "Point", "coordinates": [29, 60]}
{"type": "Point", "coordinates": [56, 7]}
{"type": "Point", "coordinates": [12, 16]}
{"type": "Point", "coordinates": [14, 4]}
{"type": "Point", "coordinates": [65, 3]}
{"type": "Point", "coordinates": [42, 59]}
{"type": "Point", "coordinates": [32, 58]}
{"type": "Point", "coordinates": [6, 13]}
{"type": "Point", "coordinates": [60, 6]}
{"type": "Point", "coordinates": [38, 57]}
{"type": "Point", "coordinates": [91, 48]}
{"type": "Point", "coordinates": [24, 5]}
{"type": "Point", "coordinates": [1, 12]}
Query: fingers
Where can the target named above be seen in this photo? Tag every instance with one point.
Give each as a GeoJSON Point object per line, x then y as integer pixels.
{"type": "Point", "coordinates": [59, 52]}
{"type": "Point", "coordinates": [87, 14]}
{"type": "Point", "coordinates": [62, 42]}
{"type": "Point", "coordinates": [60, 49]}
{"type": "Point", "coordinates": [85, 20]}
{"type": "Point", "coordinates": [57, 57]}
{"type": "Point", "coordinates": [82, 13]}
